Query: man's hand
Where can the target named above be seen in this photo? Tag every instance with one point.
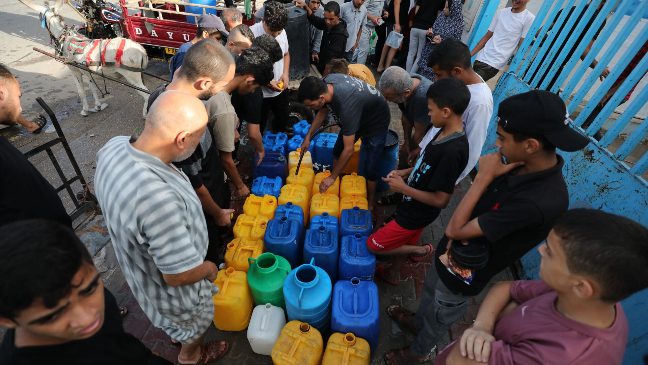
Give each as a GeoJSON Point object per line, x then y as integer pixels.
{"type": "Point", "coordinates": [283, 82]}
{"type": "Point", "coordinates": [475, 343]}
{"type": "Point", "coordinates": [326, 184]}
{"type": "Point", "coordinates": [224, 217]}
{"type": "Point", "coordinates": [395, 182]}
{"type": "Point", "coordinates": [260, 156]}
{"type": "Point", "coordinates": [397, 28]}
{"type": "Point", "coordinates": [315, 57]}
{"type": "Point", "coordinates": [213, 270]}
{"type": "Point", "coordinates": [304, 146]}
{"type": "Point", "coordinates": [300, 3]}
{"type": "Point", "coordinates": [243, 191]}
{"type": "Point", "coordinates": [437, 39]}
{"type": "Point", "coordinates": [491, 166]}
{"type": "Point", "coordinates": [413, 156]}
{"type": "Point", "coordinates": [274, 85]}
{"type": "Point", "coordinates": [374, 19]}
{"type": "Point", "coordinates": [385, 14]}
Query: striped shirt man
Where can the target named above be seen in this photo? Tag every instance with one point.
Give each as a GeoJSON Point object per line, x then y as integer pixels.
{"type": "Point", "coordinates": [157, 227]}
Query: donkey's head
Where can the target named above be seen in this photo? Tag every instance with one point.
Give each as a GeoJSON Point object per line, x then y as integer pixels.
{"type": "Point", "coordinates": [49, 16]}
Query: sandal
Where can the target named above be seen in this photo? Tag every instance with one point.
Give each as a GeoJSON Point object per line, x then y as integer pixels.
{"type": "Point", "coordinates": [210, 352]}
{"type": "Point", "coordinates": [41, 122]}
{"type": "Point", "coordinates": [405, 357]}
{"type": "Point", "coordinates": [429, 251]}
{"type": "Point", "coordinates": [390, 199]}
{"type": "Point", "coordinates": [402, 317]}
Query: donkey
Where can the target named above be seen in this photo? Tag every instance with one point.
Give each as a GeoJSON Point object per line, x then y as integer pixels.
{"type": "Point", "coordinates": [106, 56]}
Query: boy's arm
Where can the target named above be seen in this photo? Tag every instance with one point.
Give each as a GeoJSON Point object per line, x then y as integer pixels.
{"type": "Point", "coordinates": [481, 44]}
{"type": "Point", "coordinates": [286, 71]}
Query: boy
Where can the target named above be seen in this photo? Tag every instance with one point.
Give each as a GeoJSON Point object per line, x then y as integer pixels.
{"type": "Point", "coordinates": [431, 181]}
{"type": "Point", "coordinates": [508, 209]}
{"type": "Point", "coordinates": [357, 70]}
{"type": "Point", "coordinates": [335, 34]}
{"type": "Point", "coordinates": [591, 260]}
{"type": "Point", "coordinates": [275, 98]}
{"type": "Point", "coordinates": [507, 30]}
{"type": "Point", "coordinates": [54, 304]}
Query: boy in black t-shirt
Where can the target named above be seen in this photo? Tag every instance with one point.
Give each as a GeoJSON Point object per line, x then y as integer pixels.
{"type": "Point", "coordinates": [54, 304]}
{"type": "Point", "coordinates": [431, 181]}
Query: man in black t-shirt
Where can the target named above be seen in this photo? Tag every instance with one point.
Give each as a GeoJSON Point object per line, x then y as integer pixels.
{"type": "Point", "coordinates": [431, 181]}
{"type": "Point", "coordinates": [510, 208]}
{"type": "Point", "coordinates": [24, 192]}
{"type": "Point", "coordinates": [54, 304]}
{"type": "Point", "coordinates": [362, 113]}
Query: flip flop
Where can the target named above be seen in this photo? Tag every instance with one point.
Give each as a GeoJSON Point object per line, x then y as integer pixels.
{"type": "Point", "coordinates": [429, 251]}
{"type": "Point", "coordinates": [210, 352]}
{"type": "Point", "coordinates": [399, 314]}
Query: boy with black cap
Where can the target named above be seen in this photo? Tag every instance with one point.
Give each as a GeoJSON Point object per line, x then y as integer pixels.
{"type": "Point", "coordinates": [509, 209]}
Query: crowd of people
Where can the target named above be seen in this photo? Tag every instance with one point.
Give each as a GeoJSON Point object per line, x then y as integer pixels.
{"type": "Point", "coordinates": [165, 195]}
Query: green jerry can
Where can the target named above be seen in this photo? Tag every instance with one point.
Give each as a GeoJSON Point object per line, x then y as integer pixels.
{"type": "Point", "coordinates": [266, 276]}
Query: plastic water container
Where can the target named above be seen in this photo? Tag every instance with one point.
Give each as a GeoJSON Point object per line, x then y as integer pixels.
{"type": "Point", "coordinates": [326, 220]}
{"type": "Point", "coordinates": [284, 237]}
{"type": "Point", "coordinates": [239, 250]}
{"type": "Point", "coordinates": [233, 302]}
{"type": "Point", "coordinates": [260, 205]}
{"type": "Point", "coordinates": [321, 244]}
{"type": "Point", "coordinates": [388, 160]}
{"type": "Point", "coordinates": [251, 227]}
{"type": "Point", "coordinates": [356, 309]}
{"type": "Point", "coordinates": [301, 129]}
{"type": "Point", "coordinates": [324, 143]}
{"type": "Point", "coordinates": [273, 165]}
{"type": "Point", "coordinates": [298, 344]}
{"type": "Point", "coordinates": [346, 349]}
{"type": "Point", "coordinates": [354, 221]}
{"type": "Point", "coordinates": [275, 142]}
{"type": "Point", "coordinates": [199, 10]}
{"type": "Point", "coordinates": [266, 277]}
{"type": "Point", "coordinates": [307, 290]}
{"type": "Point", "coordinates": [353, 185]}
{"type": "Point", "coordinates": [296, 194]}
{"type": "Point", "coordinates": [352, 165]}
{"type": "Point", "coordinates": [351, 201]}
{"type": "Point", "coordinates": [325, 203]}
{"type": "Point", "coordinates": [305, 177]}
{"type": "Point", "coordinates": [355, 258]}
{"type": "Point", "coordinates": [290, 211]}
{"type": "Point", "coordinates": [265, 327]}
{"type": "Point", "coordinates": [333, 189]}
{"type": "Point", "coordinates": [294, 143]}
{"type": "Point", "coordinates": [264, 185]}
{"type": "Point", "coordinates": [293, 159]}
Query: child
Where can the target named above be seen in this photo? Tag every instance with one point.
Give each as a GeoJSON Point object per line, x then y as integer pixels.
{"type": "Point", "coordinates": [591, 260]}
{"type": "Point", "coordinates": [54, 304]}
{"type": "Point", "coordinates": [431, 181]}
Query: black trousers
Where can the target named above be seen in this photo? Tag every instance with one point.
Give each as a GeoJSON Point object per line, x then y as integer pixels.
{"type": "Point", "coordinates": [278, 105]}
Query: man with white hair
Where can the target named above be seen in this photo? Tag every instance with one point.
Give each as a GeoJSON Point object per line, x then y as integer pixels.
{"type": "Point", "coordinates": [156, 223]}
{"type": "Point", "coordinates": [231, 18]}
{"type": "Point", "coordinates": [409, 92]}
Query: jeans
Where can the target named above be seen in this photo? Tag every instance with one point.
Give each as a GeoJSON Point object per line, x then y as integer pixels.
{"type": "Point", "coordinates": [363, 45]}
{"type": "Point", "coordinates": [485, 70]}
{"type": "Point", "coordinates": [417, 42]}
{"type": "Point", "coordinates": [438, 310]}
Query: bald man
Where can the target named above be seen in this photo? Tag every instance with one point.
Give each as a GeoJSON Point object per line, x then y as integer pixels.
{"type": "Point", "coordinates": [156, 223]}
{"type": "Point", "coordinates": [240, 38]}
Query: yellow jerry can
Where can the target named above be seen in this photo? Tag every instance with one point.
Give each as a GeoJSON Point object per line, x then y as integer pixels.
{"type": "Point", "coordinates": [233, 302]}
{"type": "Point", "coordinates": [333, 189]}
{"type": "Point", "coordinates": [324, 203]}
{"type": "Point", "coordinates": [298, 344]}
{"type": "Point", "coordinates": [260, 205]}
{"type": "Point", "coordinates": [353, 184]}
{"type": "Point", "coordinates": [296, 194]}
{"type": "Point", "coordinates": [293, 159]}
{"type": "Point", "coordinates": [350, 201]}
{"type": "Point", "coordinates": [305, 177]}
{"type": "Point", "coordinates": [352, 165]}
{"type": "Point", "coordinates": [239, 250]}
{"type": "Point", "coordinates": [346, 349]}
{"type": "Point", "coordinates": [252, 227]}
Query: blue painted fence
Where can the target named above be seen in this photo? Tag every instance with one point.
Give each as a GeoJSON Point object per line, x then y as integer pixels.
{"type": "Point", "coordinates": [609, 174]}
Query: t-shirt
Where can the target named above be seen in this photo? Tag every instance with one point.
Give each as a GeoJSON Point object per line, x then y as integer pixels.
{"type": "Point", "coordinates": [24, 192]}
{"type": "Point", "coordinates": [222, 120]}
{"type": "Point", "coordinates": [536, 333]}
{"type": "Point", "coordinates": [354, 18]}
{"type": "Point", "coordinates": [427, 13]}
{"type": "Point", "coordinates": [476, 118]}
{"type": "Point", "coordinates": [415, 109]}
{"type": "Point", "coordinates": [358, 106]}
{"type": "Point", "coordinates": [282, 39]}
{"type": "Point", "coordinates": [436, 169]}
{"type": "Point", "coordinates": [507, 27]}
{"type": "Point", "coordinates": [157, 227]}
{"type": "Point", "coordinates": [248, 107]}
{"type": "Point", "coordinates": [110, 346]}
{"type": "Point", "coordinates": [516, 212]}
{"type": "Point", "coordinates": [178, 58]}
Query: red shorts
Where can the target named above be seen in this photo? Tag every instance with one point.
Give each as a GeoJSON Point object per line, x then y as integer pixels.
{"type": "Point", "coordinates": [392, 236]}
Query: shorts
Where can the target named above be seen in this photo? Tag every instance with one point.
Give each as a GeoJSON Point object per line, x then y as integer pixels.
{"type": "Point", "coordinates": [372, 149]}
{"type": "Point", "coordinates": [392, 236]}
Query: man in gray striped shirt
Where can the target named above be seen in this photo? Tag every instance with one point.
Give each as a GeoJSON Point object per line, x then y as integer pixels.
{"type": "Point", "coordinates": [156, 223]}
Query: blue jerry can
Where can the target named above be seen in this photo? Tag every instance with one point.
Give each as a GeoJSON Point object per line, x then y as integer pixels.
{"type": "Point", "coordinates": [264, 185]}
{"type": "Point", "coordinates": [307, 291]}
{"type": "Point", "coordinates": [354, 221]}
{"type": "Point", "coordinates": [355, 258]}
{"type": "Point", "coordinates": [275, 142]}
{"type": "Point", "coordinates": [325, 220]}
{"type": "Point", "coordinates": [301, 128]}
{"type": "Point", "coordinates": [356, 309]}
{"type": "Point", "coordinates": [291, 211]}
{"type": "Point", "coordinates": [321, 243]}
{"type": "Point", "coordinates": [274, 164]}
{"type": "Point", "coordinates": [284, 237]}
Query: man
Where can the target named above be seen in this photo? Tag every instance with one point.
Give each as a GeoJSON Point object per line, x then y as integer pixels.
{"type": "Point", "coordinates": [24, 192]}
{"type": "Point", "coordinates": [54, 305]}
{"type": "Point", "coordinates": [315, 33]}
{"type": "Point", "coordinates": [451, 58]}
{"type": "Point", "coordinates": [505, 33]}
{"type": "Point", "coordinates": [362, 113]}
{"type": "Point", "coordinates": [409, 92]}
{"type": "Point", "coordinates": [357, 70]}
{"type": "Point", "coordinates": [232, 18]}
{"type": "Point", "coordinates": [155, 223]}
{"type": "Point", "coordinates": [374, 19]}
{"type": "Point", "coordinates": [354, 14]}
{"type": "Point", "coordinates": [335, 35]}
{"type": "Point", "coordinates": [508, 210]}
{"type": "Point", "coordinates": [253, 69]}
{"type": "Point", "coordinates": [240, 38]}
{"type": "Point", "coordinates": [275, 97]}
{"type": "Point", "coordinates": [209, 26]}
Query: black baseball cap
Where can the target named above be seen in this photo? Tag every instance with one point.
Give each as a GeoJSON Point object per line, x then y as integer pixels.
{"type": "Point", "coordinates": [541, 113]}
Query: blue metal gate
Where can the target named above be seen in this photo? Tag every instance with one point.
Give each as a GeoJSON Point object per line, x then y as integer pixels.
{"type": "Point", "coordinates": [610, 174]}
